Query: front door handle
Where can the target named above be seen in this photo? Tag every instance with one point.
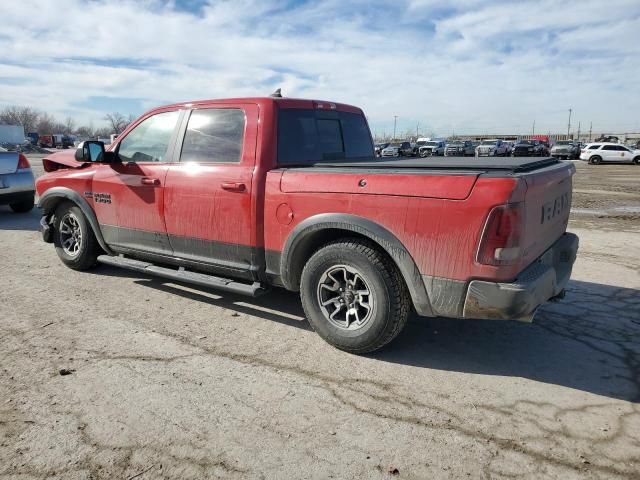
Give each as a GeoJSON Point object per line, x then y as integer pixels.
{"type": "Point", "coordinates": [149, 181]}
{"type": "Point", "coordinates": [233, 186]}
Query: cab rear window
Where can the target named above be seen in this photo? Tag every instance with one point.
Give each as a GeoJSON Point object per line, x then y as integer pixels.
{"type": "Point", "coordinates": [307, 136]}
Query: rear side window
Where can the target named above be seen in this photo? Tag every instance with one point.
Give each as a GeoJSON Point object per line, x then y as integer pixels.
{"type": "Point", "coordinates": [610, 147]}
{"type": "Point", "coordinates": [594, 147]}
{"type": "Point", "coordinates": [214, 135]}
{"type": "Point", "coordinates": [308, 136]}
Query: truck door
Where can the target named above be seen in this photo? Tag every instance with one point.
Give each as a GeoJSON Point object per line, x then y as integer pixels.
{"type": "Point", "coordinates": [128, 195]}
{"type": "Point", "coordinates": [208, 193]}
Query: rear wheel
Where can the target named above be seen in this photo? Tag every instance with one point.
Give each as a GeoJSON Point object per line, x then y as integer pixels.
{"type": "Point", "coordinates": [354, 296]}
{"type": "Point", "coordinates": [22, 206]}
{"type": "Point", "coordinates": [73, 237]}
{"type": "Point", "coordinates": [595, 160]}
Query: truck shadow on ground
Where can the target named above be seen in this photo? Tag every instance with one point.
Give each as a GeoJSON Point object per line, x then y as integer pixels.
{"type": "Point", "coordinates": [589, 341]}
{"type": "Point", "coordinates": [19, 221]}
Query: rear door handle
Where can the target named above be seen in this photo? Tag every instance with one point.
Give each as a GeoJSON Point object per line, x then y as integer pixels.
{"type": "Point", "coordinates": [233, 186]}
{"type": "Point", "coordinates": [149, 181]}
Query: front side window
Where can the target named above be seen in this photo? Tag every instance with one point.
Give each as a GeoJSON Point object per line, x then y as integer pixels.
{"type": "Point", "coordinates": [214, 135]}
{"type": "Point", "coordinates": [149, 140]}
{"type": "Point", "coordinates": [307, 136]}
{"type": "Point", "coordinates": [609, 147]}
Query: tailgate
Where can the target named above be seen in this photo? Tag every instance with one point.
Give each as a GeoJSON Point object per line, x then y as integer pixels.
{"type": "Point", "coordinates": [8, 162]}
{"type": "Point", "coordinates": [547, 206]}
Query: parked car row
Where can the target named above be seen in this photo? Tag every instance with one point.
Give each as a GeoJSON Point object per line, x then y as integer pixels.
{"type": "Point", "coordinates": [563, 149]}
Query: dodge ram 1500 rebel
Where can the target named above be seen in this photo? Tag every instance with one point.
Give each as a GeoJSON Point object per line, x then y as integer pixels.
{"type": "Point", "coordinates": [246, 194]}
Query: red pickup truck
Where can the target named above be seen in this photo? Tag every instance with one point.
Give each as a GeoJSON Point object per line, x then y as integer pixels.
{"type": "Point", "coordinates": [245, 194]}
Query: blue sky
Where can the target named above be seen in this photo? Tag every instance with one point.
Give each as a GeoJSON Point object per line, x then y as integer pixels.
{"type": "Point", "coordinates": [467, 66]}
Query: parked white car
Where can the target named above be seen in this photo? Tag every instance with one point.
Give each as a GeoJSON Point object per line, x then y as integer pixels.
{"type": "Point", "coordinates": [492, 148]}
{"type": "Point", "coordinates": [596, 153]}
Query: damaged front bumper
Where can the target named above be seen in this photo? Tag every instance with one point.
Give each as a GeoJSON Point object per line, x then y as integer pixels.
{"type": "Point", "coordinates": [46, 230]}
{"type": "Point", "coordinates": [542, 281]}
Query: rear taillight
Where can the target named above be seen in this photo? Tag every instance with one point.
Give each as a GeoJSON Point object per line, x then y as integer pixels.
{"type": "Point", "coordinates": [23, 162]}
{"type": "Point", "coordinates": [500, 243]}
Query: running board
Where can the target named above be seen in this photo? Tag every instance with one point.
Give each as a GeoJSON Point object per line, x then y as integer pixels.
{"type": "Point", "coordinates": [253, 290]}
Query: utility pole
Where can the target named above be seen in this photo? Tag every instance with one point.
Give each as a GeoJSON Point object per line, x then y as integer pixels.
{"type": "Point", "coordinates": [533, 130]}
{"type": "Point", "coordinates": [578, 139]}
{"type": "Point", "coordinates": [417, 125]}
{"type": "Point", "coordinates": [569, 124]}
{"type": "Point", "coordinates": [395, 119]}
{"type": "Point", "coordinates": [590, 128]}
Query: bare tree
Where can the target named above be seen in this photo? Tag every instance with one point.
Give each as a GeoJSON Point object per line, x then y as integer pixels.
{"type": "Point", "coordinates": [16, 115]}
{"type": "Point", "coordinates": [46, 124]}
{"type": "Point", "coordinates": [84, 131]}
{"type": "Point", "coordinates": [117, 121]}
{"type": "Point", "coordinates": [69, 126]}
{"type": "Point", "coordinates": [103, 132]}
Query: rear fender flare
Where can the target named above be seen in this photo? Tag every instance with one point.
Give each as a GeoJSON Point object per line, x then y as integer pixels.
{"type": "Point", "coordinates": [54, 195]}
{"type": "Point", "coordinates": [293, 255]}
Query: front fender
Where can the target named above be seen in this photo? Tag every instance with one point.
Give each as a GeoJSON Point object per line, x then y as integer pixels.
{"type": "Point", "coordinates": [295, 252]}
{"type": "Point", "coordinates": [53, 196]}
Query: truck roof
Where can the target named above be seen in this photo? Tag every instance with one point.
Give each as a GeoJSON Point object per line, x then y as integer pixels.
{"type": "Point", "coordinates": [283, 102]}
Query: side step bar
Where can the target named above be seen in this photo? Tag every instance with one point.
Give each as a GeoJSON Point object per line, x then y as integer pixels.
{"type": "Point", "coordinates": [253, 290]}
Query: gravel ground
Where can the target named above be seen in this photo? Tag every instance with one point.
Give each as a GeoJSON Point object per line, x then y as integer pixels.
{"type": "Point", "coordinates": [170, 381]}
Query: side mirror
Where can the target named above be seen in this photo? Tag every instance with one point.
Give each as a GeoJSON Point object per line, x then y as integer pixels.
{"type": "Point", "coordinates": [90, 151]}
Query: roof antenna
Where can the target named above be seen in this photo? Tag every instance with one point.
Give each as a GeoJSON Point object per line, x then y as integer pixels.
{"type": "Point", "coordinates": [276, 94]}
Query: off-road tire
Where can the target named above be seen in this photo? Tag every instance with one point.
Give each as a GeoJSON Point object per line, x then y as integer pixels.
{"type": "Point", "coordinates": [391, 299]}
{"type": "Point", "coordinates": [595, 160]}
{"type": "Point", "coordinates": [23, 206]}
{"type": "Point", "coordinates": [89, 247]}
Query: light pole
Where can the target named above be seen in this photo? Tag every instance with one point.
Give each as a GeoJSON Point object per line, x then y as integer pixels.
{"type": "Point", "coordinates": [569, 124]}
{"type": "Point", "coordinates": [395, 119]}
{"type": "Point", "coordinates": [533, 130]}
{"type": "Point", "coordinates": [578, 139]}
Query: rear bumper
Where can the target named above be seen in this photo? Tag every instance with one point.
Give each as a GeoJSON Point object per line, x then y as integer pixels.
{"type": "Point", "coordinates": [544, 279]}
{"type": "Point", "coordinates": [16, 186]}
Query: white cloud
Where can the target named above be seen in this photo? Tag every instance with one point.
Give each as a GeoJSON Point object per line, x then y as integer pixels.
{"type": "Point", "coordinates": [463, 65]}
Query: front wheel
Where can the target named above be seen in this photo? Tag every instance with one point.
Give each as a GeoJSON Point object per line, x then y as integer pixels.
{"type": "Point", "coordinates": [354, 296]}
{"type": "Point", "coordinates": [636, 160]}
{"type": "Point", "coordinates": [73, 237]}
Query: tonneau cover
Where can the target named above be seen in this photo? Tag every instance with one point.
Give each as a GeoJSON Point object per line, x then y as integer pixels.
{"type": "Point", "coordinates": [511, 164]}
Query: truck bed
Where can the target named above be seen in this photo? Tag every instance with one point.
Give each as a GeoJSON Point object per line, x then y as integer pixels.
{"type": "Point", "coordinates": [504, 164]}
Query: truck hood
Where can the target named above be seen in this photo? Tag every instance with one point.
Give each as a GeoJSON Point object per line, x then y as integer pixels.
{"type": "Point", "coordinates": [65, 158]}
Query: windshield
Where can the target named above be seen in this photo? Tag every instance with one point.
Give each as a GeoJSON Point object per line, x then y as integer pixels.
{"type": "Point", "coordinates": [525, 142]}
{"type": "Point", "coordinates": [489, 142]}
{"type": "Point", "coordinates": [421, 142]}
{"type": "Point", "coordinates": [307, 136]}
{"type": "Point", "coordinates": [564, 142]}
{"type": "Point", "coordinates": [431, 144]}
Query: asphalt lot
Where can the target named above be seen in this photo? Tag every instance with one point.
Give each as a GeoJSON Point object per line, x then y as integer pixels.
{"type": "Point", "coordinates": [171, 381]}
